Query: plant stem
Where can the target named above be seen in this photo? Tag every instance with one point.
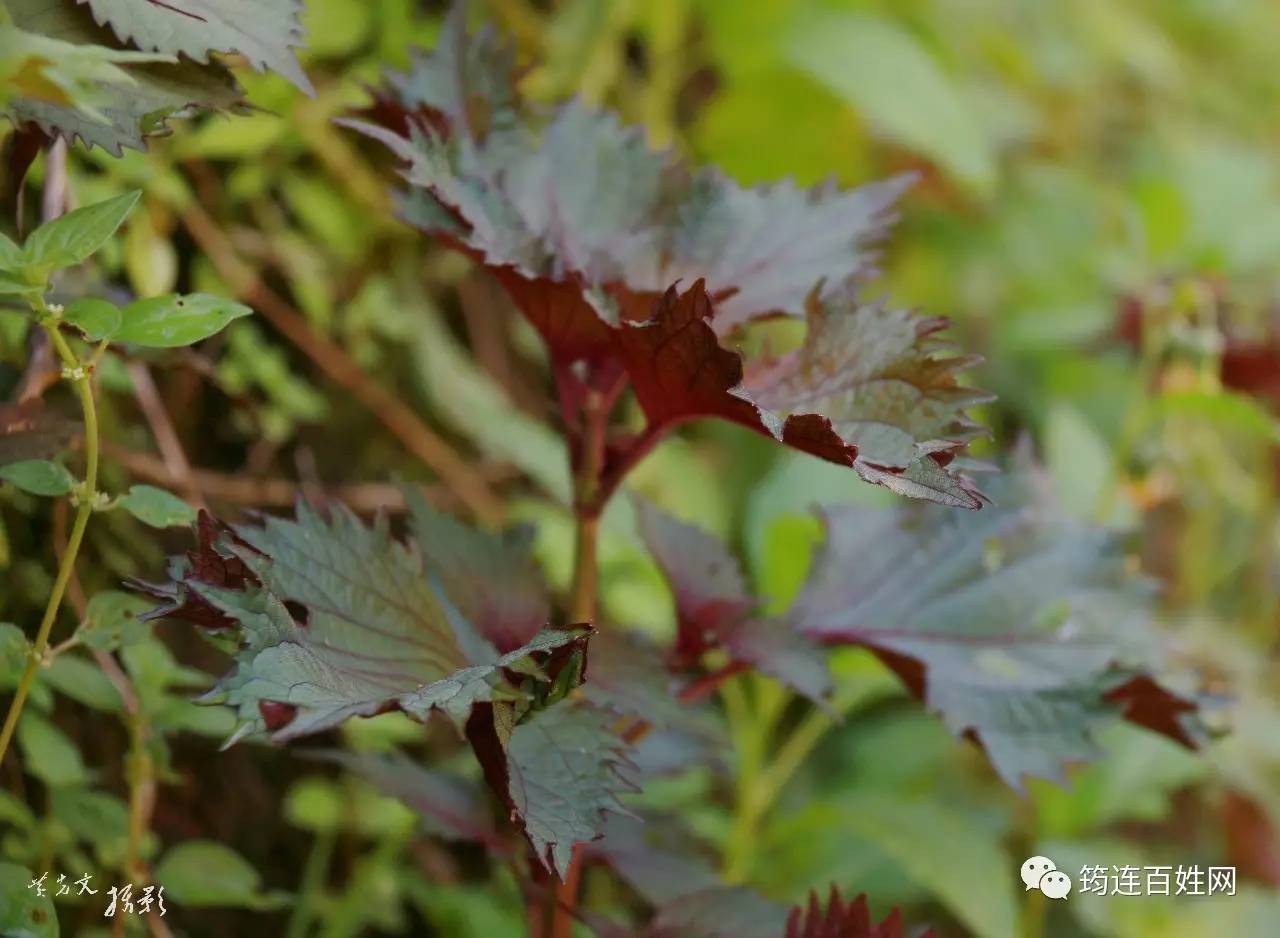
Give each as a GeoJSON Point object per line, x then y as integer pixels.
{"type": "Point", "coordinates": [141, 789]}
{"type": "Point", "coordinates": [762, 786]}
{"type": "Point", "coordinates": [312, 886]}
{"type": "Point", "coordinates": [84, 391]}
{"type": "Point", "coordinates": [589, 464]}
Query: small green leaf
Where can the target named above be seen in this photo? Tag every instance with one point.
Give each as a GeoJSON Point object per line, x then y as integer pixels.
{"type": "Point", "coordinates": [175, 320]}
{"type": "Point", "coordinates": [95, 317]}
{"type": "Point", "coordinates": [22, 912]}
{"type": "Point", "coordinates": [39, 477]}
{"type": "Point", "coordinates": [13, 283]}
{"type": "Point", "coordinates": [95, 816]}
{"type": "Point", "coordinates": [111, 620]}
{"type": "Point", "coordinates": [10, 254]}
{"type": "Point", "coordinates": [48, 754]}
{"type": "Point", "coordinates": [76, 235]}
{"type": "Point", "coordinates": [14, 649]}
{"type": "Point", "coordinates": [314, 804]}
{"type": "Point", "coordinates": [894, 80]}
{"type": "Point", "coordinates": [82, 681]}
{"type": "Point", "coordinates": [156, 507]}
{"type": "Point", "coordinates": [205, 873]}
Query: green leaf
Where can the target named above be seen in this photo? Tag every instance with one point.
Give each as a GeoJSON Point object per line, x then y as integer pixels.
{"type": "Point", "coordinates": [96, 318]}
{"type": "Point", "coordinates": [112, 620]}
{"type": "Point", "coordinates": [14, 652]}
{"type": "Point", "coordinates": [203, 873]}
{"type": "Point", "coordinates": [10, 254]}
{"type": "Point", "coordinates": [83, 681]}
{"type": "Point", "coordinates": [156, 507]}
{"type": "Point", "coordinates": [23, 914]}
{"type": "Point", "coordinates": [316, 804]}
{"type": "Point", "coordinates": [263, 31]}
{"type": "Point", "coordinates": [48, 754]}
{"type": "Point", "coordinates": [884, 72]}
{"type": "Point", "coordinates": [338, 620]}
{"type": "Point", "coordinates": [97, 817]}
{"type": "Point", "coordinates": [72, 237]}
{"type": "Point", "coordinates": [1079, 460]}
{"type": "Point", "coordinates": [176, 320]}
{"type": "Point", "coordinates": [564, 773]}
{"type": "Point", "coordinates": [39, 477]}
{"type": "Point", "coordinates": [13, 278]}
{"type": "Point", "coordinates": [959, 860]}
{"type": "Point", "coordinates": [15, 285]}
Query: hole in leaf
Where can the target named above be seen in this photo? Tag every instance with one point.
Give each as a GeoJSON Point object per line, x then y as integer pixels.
{"type": "Point", "coordinates": [301, 614]}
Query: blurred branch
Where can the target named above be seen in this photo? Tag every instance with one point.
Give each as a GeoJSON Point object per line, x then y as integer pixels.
{"type": "Point", "coordinates": [175, 458]}
{"type": "Point", "coordinates": [282, 493]}
{"type": "Point", "coordinates": [419, 439]}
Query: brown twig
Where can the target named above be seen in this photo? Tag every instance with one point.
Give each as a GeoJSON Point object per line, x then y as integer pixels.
{"type": "Point", "coordinates": [175, 458]}
{"type": "Point", "coordinates": [399, 419]}
{"type": "Point", "coordinates": [277, 492]}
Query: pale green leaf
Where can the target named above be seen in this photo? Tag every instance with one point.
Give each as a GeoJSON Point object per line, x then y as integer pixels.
{"type": "Point", "coordinates": [203, 873]}
{"type": "Point", "coordinates": [70, 238]}
{"type": "Point", "coordinates": [156, 507]}
{"type": "Point", "coordinates": [39, 477]}
{"type": "Point", "coordinates": [23, 914]}
{"type": "Point", "coordinates": [48, 754]}
{"type": "Point", "coordinates": [888, 75]}
{"type": "Point", "coordinates": [14, 649]}
{"type": "Point", "coordinates": [111, 620]}
{"type": "Point", "coordinates": [943, 849]}
{"type": "Point", "coordinates": [83, 681]}
{"type": "Point", "coordinates": [96, 318]}
{"type": "Point", "coordinates": [94, 816]}
{"type": "Point", "coordinates": [176, 320]}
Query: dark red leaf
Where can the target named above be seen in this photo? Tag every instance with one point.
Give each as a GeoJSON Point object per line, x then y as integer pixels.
{"type": "Point", "coordinates": [209, 564]}
{"type": "Point", "coordinates": [587, 228]}
{"type": "Point", "coordinates": [1145, 702]}
{"type": "Point", "coordinates": [842, 920]}
{"type": "Point", "coordinates": [715, 610]}
{"type": "Point", "coordinates": [1005, 623]}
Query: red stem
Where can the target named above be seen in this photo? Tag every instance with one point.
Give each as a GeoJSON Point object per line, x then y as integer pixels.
{"type": "Point", "coordinates": [588, 502]}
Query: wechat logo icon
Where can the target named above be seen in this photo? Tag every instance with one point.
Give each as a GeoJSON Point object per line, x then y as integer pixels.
{"type": "Point", "coordinates": [1043, 874]}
